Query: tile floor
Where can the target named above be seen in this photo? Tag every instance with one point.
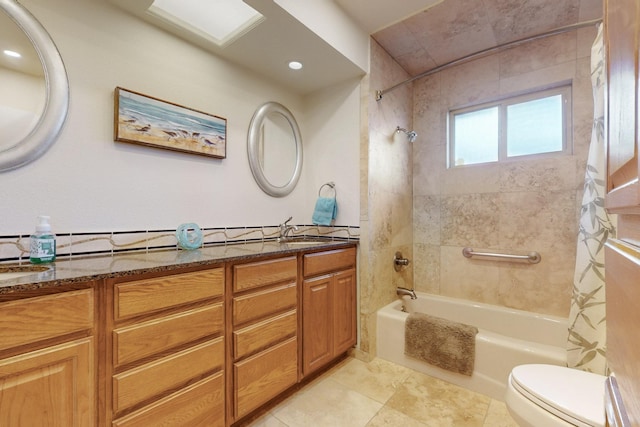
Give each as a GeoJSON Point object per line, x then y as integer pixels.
{"type": "Point", "coordinates": [379, 393]}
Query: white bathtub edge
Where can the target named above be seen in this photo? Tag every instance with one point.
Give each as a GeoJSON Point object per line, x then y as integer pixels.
{"type": "Point", "coordinates": [489, 378]}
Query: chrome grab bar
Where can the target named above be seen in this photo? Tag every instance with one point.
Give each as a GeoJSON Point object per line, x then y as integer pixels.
{"type": "Point", "coordinates": [532, 257]}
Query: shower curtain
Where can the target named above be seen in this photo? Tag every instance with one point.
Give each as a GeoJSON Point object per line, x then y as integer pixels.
{"type": "Point", "coordinates": [586, 343]}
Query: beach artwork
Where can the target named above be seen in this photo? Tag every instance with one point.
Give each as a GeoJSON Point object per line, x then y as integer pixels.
{"type": "Point", "coordinates": [141, 119]}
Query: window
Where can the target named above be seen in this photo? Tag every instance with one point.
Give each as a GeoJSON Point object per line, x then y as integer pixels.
{"type": "Point", "coordinates": [534, 124]}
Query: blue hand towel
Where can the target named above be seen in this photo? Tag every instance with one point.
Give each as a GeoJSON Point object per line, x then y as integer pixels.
{"type": "Point", "coordinates": [325, 211]}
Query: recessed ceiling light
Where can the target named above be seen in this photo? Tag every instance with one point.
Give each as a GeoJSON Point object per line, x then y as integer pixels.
{"type": "Point", "coordinates": [221, 21]}
{"type": "Point", "coordinates": [12, 53]}
{"type": "Point", "coordinates": [295, 65]}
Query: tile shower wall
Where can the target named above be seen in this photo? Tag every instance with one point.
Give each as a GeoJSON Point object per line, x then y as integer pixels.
{"type": "Point", "coordinates": [519, 206]}
{"type": "Point", "coordinates": [386, 191]}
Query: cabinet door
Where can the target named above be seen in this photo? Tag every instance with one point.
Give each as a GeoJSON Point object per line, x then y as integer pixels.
{"type": "Point", "coordinates": [621, 36]}
{"type": "Point", "coordinates": [344, 311]}
{"type": "Point", "coordinates": [54, 386]}
{"type": "Point", "coordinates": [623, 315]}
{"type": "Point", "coordinates": [316, 323]}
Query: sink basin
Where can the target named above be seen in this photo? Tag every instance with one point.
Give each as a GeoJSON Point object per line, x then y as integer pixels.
{"type": "Point", "coordinates": [12, 271]}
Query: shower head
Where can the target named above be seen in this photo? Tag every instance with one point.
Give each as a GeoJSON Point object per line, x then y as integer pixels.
{"type": "Point", "coordinates": [412, 135]}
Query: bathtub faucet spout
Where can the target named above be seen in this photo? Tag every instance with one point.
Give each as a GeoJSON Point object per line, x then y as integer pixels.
{"type": "Point", "coordinates": [404, 291]}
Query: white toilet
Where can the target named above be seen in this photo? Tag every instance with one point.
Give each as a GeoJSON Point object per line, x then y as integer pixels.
{"type": "Point", "coordinates": [555, 396]}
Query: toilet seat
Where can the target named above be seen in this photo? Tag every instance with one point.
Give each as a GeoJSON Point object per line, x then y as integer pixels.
{"type": "Point", "coordinates": [575, 396]}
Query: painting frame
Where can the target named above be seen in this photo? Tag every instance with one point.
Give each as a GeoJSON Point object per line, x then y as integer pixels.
{"type": "Point", "coordinates": [145, 120]}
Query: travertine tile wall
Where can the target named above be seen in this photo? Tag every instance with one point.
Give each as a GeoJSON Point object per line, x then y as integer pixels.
{"type": "Point", "coordinates": [517, 207]}
{"type": "Point", "coordinates": [386, 191]}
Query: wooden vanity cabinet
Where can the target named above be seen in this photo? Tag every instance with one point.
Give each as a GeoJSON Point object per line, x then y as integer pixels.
{"type": "Point", "coordinates": [622, 253]}
{"type": "Point", "coordinates": [166, 349]}
{"type": "Point", "coordinates": [47, 354]}
{"type": "Point", "coordinates": [199, 346]}
{"type": "Point", "coordinates": [263, 357]}
{"type": "Point", "coordinates": [328, 306]}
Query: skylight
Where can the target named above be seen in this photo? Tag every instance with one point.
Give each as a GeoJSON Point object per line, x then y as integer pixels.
{"type": "Point", "coordinates": [221, 21]}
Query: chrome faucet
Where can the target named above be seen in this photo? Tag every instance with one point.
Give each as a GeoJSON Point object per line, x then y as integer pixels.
{"type": "Point", "coordinates": [404, 291]}
{"type": "Point", "coordinates": [285, 230]}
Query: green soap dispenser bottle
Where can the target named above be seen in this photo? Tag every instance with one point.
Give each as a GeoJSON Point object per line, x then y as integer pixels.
{"type": "Point", "coordinates": [43, 242]}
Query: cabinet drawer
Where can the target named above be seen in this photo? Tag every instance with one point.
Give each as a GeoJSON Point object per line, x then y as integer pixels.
{"type": "Point", "coordinates": [256, 274]}
{"type": "Point", "coordinates": [144, 296]}
{"type": "Point", "coordinates": [199, 405]}
{"type": "Point", "coordinates": [33, 319]}
{"type": "Point", "coordinates": [256, 337]}
{"type": "Point", "coordinates": [261, 304]}
{"type": "Point", "coordinates": [142, 383]}
{"type": "Point", "coordinates": [144, 339]}
{"type": "Point", "coordinates": [264, 376]}
{"type": "Point", "coordinates": [325, 262]}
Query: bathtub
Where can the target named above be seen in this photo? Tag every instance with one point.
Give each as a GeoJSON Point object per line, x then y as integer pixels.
{"type": "Point", "coordinates": [506, 338]}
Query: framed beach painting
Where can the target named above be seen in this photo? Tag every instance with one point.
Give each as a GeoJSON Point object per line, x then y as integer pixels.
{"type": "Point", "coordinates": [142, 119]}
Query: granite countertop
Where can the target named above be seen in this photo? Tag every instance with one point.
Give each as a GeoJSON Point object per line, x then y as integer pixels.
{"type": "Point", "coordinates": [76, 270]}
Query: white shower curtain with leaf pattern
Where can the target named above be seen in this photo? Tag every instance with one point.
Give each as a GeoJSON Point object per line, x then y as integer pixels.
{"type": "Point", "coordinates": [586, 347]}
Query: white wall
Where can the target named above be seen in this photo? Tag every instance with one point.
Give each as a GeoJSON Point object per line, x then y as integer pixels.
{"type": "Point", "coordinates": [328, 21]}
{"type": "Point", "coordinates": [332, 149]}
{"type": "Point", "coordinates": [88, 182]}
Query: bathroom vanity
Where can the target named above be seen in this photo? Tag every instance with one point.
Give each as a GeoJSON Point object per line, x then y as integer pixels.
{"type": "Point", "coordinates": [205, 337]}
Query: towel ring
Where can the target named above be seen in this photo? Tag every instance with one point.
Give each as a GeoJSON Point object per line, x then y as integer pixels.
{"type": "Point", "coordinates": [329, 184]}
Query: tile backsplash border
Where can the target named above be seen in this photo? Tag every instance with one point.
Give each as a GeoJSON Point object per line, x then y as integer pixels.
{"type": "Point", "coordinates": [15, 248]}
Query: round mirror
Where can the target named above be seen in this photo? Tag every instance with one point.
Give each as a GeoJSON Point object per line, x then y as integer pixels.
{"type": "Point", "coordinates": [274, 147]}
{"type": "Point", "coordinates": [33, 85]}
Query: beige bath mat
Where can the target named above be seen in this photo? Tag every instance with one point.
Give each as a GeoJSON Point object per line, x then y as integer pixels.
{"type": "Point", "coordinates": [440, 342]}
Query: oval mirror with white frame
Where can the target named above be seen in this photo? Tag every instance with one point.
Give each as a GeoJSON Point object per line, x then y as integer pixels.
{"type": "Point", "coordinates": [274, 147]}
{"type": "Point", "coordinates": [34, 85]}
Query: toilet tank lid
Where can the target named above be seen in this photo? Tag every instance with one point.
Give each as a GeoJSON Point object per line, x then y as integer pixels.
{"type": "Point", "coordinates": [571, 394]}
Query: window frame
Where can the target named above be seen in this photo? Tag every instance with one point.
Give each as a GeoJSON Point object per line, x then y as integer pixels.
{"type": "Point", "coordinates": [565, 90]}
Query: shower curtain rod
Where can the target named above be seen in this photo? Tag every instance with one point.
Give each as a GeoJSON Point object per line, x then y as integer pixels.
{"type": "Point", "coordinates": [380, 93]}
